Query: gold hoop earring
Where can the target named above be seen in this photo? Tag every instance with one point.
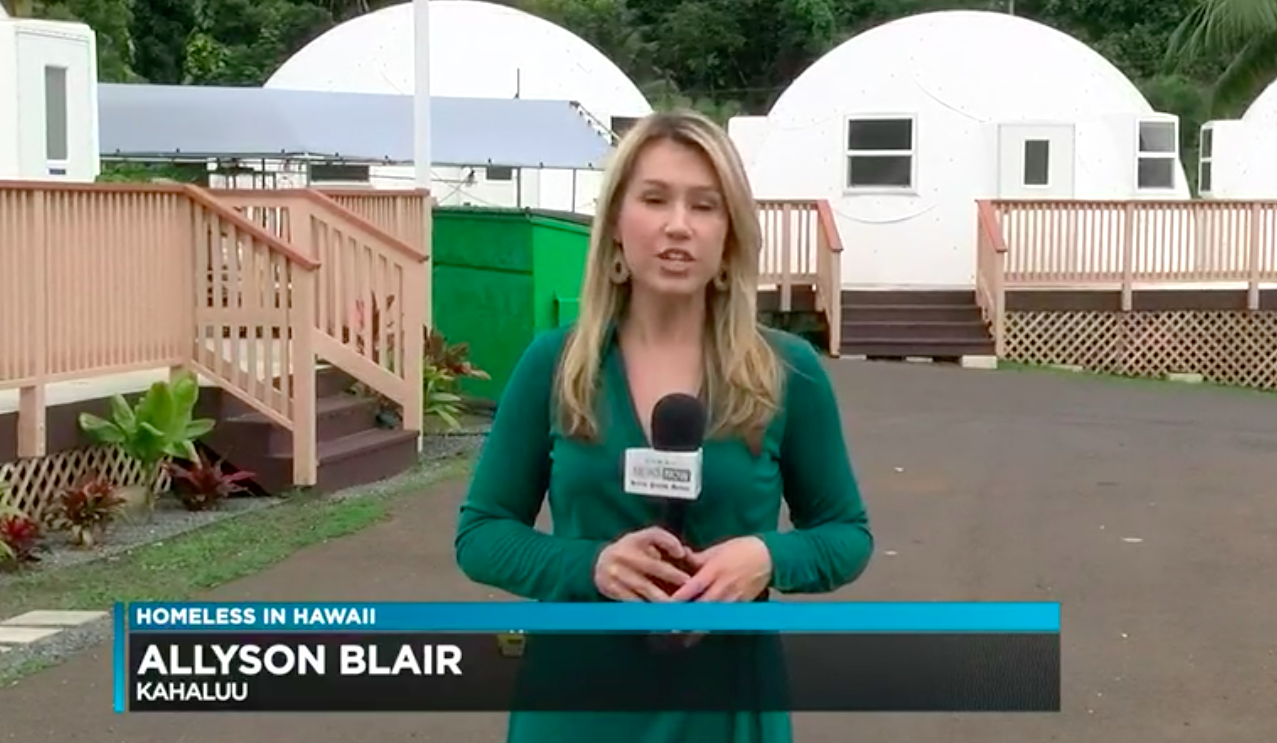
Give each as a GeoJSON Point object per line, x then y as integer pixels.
{"type": "Point", "coordinates": [722, 280]}
{"type": "Point", "coordinates": [620, 271]}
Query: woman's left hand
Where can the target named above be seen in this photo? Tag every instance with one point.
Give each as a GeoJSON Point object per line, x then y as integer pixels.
{"type": "Point", "coordinates": [739, 569]}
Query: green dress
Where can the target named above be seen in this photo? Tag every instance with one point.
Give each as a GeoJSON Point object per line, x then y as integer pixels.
{"type": "Point", "coordinates": [526, 460]}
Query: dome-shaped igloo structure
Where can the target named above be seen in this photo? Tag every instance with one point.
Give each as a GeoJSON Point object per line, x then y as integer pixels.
{"type": "Point", "coordinates": [1263, 110]}
{"type": "Point", "coordinates": [902, 128]}
{"type": "Point", "coordinates": [1237, 158]}
{"type": "Point", "coordinates": [478, 50]}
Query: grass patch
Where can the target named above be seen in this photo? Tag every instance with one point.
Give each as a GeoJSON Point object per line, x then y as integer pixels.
{"type": "Point", "coordinates": [10, 675]}
{"type": "Point", "coordinates": [184, 566]}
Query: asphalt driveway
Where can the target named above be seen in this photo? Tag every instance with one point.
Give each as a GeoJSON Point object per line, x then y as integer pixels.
{"type": "Point", "coordinates": [1148, 509]}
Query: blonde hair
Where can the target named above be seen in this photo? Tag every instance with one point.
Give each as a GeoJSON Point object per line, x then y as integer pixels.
{"type": "Point", "coordinates": [742, 370]}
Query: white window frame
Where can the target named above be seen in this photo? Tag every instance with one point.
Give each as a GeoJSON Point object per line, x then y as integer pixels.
{"type": "Point", "coordinates": [1205, 157]}
{"type": "Point", "coordinates": [1141, 155]}
{"type": "Point", "coordinates": [58, 167]}
{"type": "Point", "coordinates": [848, 153]}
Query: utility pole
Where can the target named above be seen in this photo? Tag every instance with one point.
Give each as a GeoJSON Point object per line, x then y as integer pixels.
{"type": "Point", "coordinates": [421, 161]}
{"type": "Point", "coordinates": [421, 129]}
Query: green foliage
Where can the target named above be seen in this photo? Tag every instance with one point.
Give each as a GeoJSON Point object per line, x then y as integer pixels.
{"type": "Point", "coordinates": [241, 42]}
{"type": "Point", "coordinates": [160, 29]}
{"type": "Point", "coordinates": [161, 425]}
{"type": "Point", "coordinates": [145, 172]}
{"type": "Point", "coordinates": [443, 368]}
{"type": "Point", "coordinates": [110, 20]}
{"type": "Point", "coordinates": [439, 400]}
{"type": "Point", "coordinates": [1236, 40]}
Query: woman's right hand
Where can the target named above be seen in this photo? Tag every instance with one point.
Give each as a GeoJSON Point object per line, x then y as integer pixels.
{"type": "Point", "coordinates": [627, 569]}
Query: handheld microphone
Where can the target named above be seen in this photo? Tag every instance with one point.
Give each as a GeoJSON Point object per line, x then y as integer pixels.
{"type": "Point", "coordinates": [671, 470]}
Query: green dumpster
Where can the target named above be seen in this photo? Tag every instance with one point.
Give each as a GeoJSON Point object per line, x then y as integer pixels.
{"type": "Point", "coordinates": [501, 276]}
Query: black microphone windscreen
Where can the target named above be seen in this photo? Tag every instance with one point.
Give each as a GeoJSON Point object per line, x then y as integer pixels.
{"type": "Point", "coordinates": [678, 423]}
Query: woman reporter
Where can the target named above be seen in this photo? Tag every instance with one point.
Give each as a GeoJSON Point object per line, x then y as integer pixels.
{"type": "Point", "coordinates": [668, 305]}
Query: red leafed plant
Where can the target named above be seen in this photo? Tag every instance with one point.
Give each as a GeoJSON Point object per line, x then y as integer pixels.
{"type": "Point", "coordinates": [87, 508]}
{"type": "Point", "coordinates": [363, 318]}
{"type": "Point", "coordinates": [19, 537]}
{"type": "Point", "coordinates": [204, 485]}
{"type": "Point", "coordinates": [451, 360]}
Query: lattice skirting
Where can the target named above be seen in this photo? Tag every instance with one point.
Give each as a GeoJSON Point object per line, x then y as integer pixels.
{"type": "Point", "coordinates": [1226, 347]}
{"type": "Point", "coordinates": [35, 484]}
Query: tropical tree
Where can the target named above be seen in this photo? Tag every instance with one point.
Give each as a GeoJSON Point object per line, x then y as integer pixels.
{"type": "Point", "coordinates": [1240, 33]}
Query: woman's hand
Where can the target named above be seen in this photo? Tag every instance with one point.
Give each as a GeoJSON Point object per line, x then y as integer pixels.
{"type": "Point", "coordinates": [626, 569]}
{"type": "Point", "coordinates": [739, 569]}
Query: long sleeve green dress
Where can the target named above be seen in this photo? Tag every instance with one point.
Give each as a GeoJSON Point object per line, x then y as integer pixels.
{"type": "Point", "coordinates": [526, 460]}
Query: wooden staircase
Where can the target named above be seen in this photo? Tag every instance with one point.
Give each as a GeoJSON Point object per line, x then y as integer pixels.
{"type": "Point", "coordinates": [352, 448]}
{"type": "Point", "coordinates": [900, 324]}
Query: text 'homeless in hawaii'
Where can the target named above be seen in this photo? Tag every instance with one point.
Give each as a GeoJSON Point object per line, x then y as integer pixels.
{"type": "Point", "coordinates": [239, 616]}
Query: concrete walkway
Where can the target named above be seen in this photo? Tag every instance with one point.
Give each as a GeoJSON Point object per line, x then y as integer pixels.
{"type": "Point", "coordinates": [1147, 509]}
{"type": "Point", "coordinates": [35, 626]}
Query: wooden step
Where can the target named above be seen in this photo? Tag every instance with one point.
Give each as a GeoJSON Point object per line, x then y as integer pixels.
{"type": "Point", "coordinates": [335, 416]}
{"type": "Point", "coordinates": [856, 331]}
{"type": "Point", "coordinates": [909, 297]}
{"type": "Point", "coordinates": [914, 312]}
{"type": "Point", "coordinates": [351, 447]}
{"type": "Point", "coordinates": [329, 381]}
{"type": "Point", "coordinates": [365, 457]}
{"type": "Point", "coordinates": [917, 347]}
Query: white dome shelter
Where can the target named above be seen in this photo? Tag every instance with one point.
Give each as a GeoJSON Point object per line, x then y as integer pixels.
{"type": "Point", "coordinates": [905, 126]}
{"type": "Point", "coordinates": [478, 50]}
{"type": "Point", "coordinates": [1237, 159]}
{"type": "Point", "coordinates": [48, 100]}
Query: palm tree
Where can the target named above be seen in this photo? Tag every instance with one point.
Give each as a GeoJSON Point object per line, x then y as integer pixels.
{"type": "Point", "coordinates": [1243, 33]}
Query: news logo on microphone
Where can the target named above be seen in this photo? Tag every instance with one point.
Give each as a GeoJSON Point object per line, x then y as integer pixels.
{"type": "Point", "coordinates": [437, 657]}
{"type": "Point", "coordinates": [663, 474]}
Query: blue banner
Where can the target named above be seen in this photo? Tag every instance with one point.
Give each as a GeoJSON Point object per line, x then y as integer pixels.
{"type": "Point", "coordinates": [774, 616]}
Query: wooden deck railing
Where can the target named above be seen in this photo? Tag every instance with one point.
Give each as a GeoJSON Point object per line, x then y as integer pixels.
{"type": "Point", "coordinates": [1055, 244]}
{"type": "Point", "coordinates": [103, 279]}
{"type": "Point", "coordinates": [991, 251]}
{"type": "Point", "coordinates": [401, 213]}
{"type": "Point", "coordinates": [365, 277]}
{"type": "Point", "coordinates": [1121, 245]}
{"type": "Point", "coordinates": [801, 248]}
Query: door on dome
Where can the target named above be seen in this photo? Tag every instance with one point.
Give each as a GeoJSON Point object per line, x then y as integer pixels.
{"type": "Point", "coordinates": [1035, 161]}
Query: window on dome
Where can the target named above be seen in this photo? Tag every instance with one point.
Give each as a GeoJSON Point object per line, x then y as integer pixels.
{"type": "Point", "coordinates": [880, 153]}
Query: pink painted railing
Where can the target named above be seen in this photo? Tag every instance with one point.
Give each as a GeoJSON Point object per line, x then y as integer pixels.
{"type": "Point", "coordinates": [801, 248]}
{"type": "Point", "coordinates": [369, 309]}
{"type": "Point", "coordinates": [991, 252]}
{"type": "Point", "coordinates": [1055, 244]}
{"type": "Point", "coordinates": [100, 279]}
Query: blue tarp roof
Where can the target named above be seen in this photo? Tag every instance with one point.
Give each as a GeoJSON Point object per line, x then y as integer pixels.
{"type": "Point", "coordinates": [202, 121]}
